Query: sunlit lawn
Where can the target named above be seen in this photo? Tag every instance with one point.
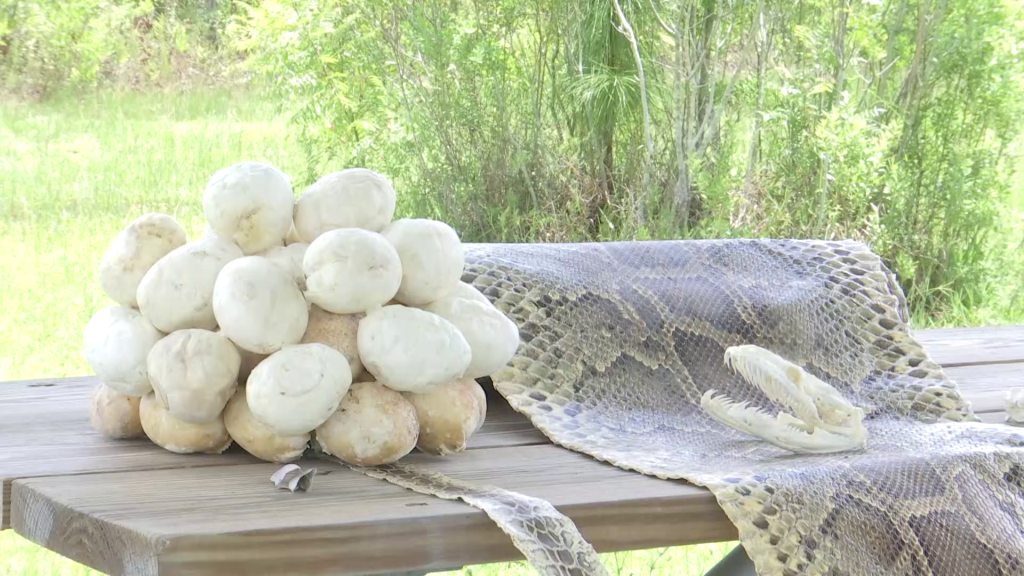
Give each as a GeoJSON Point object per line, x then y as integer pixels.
{"type": "Point", "coordinates": [72, 174]}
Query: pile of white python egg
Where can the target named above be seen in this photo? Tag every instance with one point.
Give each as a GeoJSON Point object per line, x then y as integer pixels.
{"type": "Point", "coordinates": [291, 321]}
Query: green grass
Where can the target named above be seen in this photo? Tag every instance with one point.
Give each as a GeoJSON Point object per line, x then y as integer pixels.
{"type": "Point", "coordinates": [72, 174]}
{"type": "Point", "coordinates": [75, 172]}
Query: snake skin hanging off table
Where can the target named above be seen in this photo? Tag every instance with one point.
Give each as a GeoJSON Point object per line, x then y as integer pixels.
{"type": "Point", "coordinates": [620, 340]}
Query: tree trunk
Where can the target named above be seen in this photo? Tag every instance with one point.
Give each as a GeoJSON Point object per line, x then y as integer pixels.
{"type": "Point", "coordinates": [705, 94]}
{"type": "Point", "coordinates": [682, 88]}
{"type": "Point", "coordinates": [753, 151]}
{"type": "Point", "coordinates": [890, 48]}
{"type": "Point", "coordinates": [639, 207]}
{"type": "Point", "coordinates": [211, 17]}
{"type": "Point", "coordinates": [606, 182]}
{"type": "Point", "coordinates": [842, 15]}
{"type": "Point", "coordinates": [910, 93]}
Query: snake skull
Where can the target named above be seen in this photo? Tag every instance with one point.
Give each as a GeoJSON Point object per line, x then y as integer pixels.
{"type": "Point", "coordinates": [820, 419]}
{"type": "Point", "coordinates": [1015, 406]}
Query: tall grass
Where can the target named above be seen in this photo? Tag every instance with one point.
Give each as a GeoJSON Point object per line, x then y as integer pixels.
{"type": "Point", "coordinates": [73, 172]}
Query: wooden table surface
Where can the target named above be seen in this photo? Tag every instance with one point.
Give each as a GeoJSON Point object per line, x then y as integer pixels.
{"type": "Point", "coordinates": [128, 507]}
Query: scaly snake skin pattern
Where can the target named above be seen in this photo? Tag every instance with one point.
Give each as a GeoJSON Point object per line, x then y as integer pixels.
{"type": "Point", "coordinates": [548, 539]}
{"type": "Point", "coordinates": [619, 341]}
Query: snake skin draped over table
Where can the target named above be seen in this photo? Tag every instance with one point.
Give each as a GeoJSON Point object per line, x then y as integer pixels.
{"type": "Point", "coordinates": [620, 340]}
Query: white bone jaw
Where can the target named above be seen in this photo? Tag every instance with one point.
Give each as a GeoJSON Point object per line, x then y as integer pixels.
{"type": "Point", "coordinates": [1015, 406]}
{"type": "Point", "coordinates": [824, 421]}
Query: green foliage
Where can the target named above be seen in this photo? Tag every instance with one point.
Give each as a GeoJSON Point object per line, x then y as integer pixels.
{"type": "Point", "coordinates": [889, 121]}
{"type": "Point", "coordinates": [919, 168]}
{"type": "Point", "coordinates": [886, 121]}
{"type": "Point", "coordinates": [52, 45]}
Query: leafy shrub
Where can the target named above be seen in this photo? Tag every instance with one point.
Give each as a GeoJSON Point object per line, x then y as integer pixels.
{"type": "Point", "coordinates": [889, 121]}
{"type": "Point", "coordinates": [885, 121]}
{"type": "Point", "coordinates": [53, 45]}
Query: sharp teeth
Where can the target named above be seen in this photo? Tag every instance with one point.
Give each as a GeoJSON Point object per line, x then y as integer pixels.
{"type": "Point", "coordinates": [806, 396]}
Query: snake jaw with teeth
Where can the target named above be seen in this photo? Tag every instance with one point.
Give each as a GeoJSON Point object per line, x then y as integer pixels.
{"type": "Point", "coordinates": [823, 422]}
{"type": "Point", "coordinates": [1015, 406]}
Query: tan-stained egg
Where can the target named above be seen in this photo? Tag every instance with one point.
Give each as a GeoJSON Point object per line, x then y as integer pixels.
{"type": "Point", "coordinates": [339, 331]}
{"type": "Point", "coordinates": [257, 438]}
{"type": "Point", "coordinates": [178, 436]}
{"type": "Point", "coordinates": [115, 415]}
{"type": "Point", "coordinates": [481, 404]}
{"type": "Point", "coordinates": [448, 415]}
{"type": "Point", "coordinates": [374, 425]}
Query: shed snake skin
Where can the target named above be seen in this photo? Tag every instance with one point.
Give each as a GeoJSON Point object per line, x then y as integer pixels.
{"type": "Point", "coordinates": [620, 340]}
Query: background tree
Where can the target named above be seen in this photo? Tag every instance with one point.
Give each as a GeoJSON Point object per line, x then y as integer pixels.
{"type": "Point", "coordinates": [891, 121]}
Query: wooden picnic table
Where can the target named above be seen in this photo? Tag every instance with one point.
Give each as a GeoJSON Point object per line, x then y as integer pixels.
{"type": "Point", "coordinates": [128, 507]}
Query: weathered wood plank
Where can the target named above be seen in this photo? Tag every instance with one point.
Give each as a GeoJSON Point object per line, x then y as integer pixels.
{"type": "Point", "coordinates": [231, 520]}
{"type": "Point", "coordinates": [997, 417]}
{"type": "Point", "coordinates": [44, 431]}
{"type": "Point", "coordinates": [985, 385]}
{"type": "Point", "coordinates": [226, 519]}
{"type": "Point", "coordinates": [112, 549]}
{"type": "Point", "coordinates": [44, 423]}
{"type": "Point", "coordinates": [965, 346]}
